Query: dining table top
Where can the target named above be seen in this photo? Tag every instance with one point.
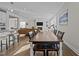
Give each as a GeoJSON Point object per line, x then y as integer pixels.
{"type": "Point", "coordinates": [45, 36]}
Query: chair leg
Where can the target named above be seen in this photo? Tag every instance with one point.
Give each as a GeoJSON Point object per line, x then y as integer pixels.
{"type": "Point", "coordinates": [9, 40]}
{"type": "Point", "coordinates": [13, 37]}
{"type": "Point", "coordinates": [6, 44]}
{"type": "Point", "coordinates": [57, 53]}
{"type": "Point", "coordinates": [44, 53]}
{"type": "Point", "coordinates": [34, 53]}
{"type": "Point", "coordinates": [18, 38]}
{"type": "Point", "coordinates": [47, 52]}
{"type": "Point", "coordinates": [1, 45]}
{"type": "Point", "coordinates": [54, 53]}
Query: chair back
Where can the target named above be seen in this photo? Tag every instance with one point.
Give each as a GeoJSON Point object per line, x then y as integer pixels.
{"type": "Point", "coordinates": [60, 35]}
{"type": "Point", "coordinates": [55, 32]}
{"type": "Point", "coordinates": [31, 35]}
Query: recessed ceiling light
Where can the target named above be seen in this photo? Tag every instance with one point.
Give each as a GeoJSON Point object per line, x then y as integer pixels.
{"type": "Point", "coordinates": [11, 10]}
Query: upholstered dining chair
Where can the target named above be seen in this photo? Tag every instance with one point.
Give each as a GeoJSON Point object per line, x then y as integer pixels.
{"type": "Point", "coordinates": [55, 45]}
{"type": "Point", "coordinates": [37, 46]}
{"type": "Point", "coordinates": [60, 35]}
{"type": "Point", "coordinates": [55, 31]}
{"type": "Point", "coordinates": [31, 35]}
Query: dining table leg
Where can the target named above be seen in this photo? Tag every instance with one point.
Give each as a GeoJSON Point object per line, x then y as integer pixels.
{"type": "Point", "coordinates": [60, 50]}
{"type": "Point", "coordinates": [46, 52]}
{"type": "Point", "coordinates": [18, 38]}
{"type": "Point", "coordinates": [31, 49]}
{"type": "Point", "coordinates": [9, 40]}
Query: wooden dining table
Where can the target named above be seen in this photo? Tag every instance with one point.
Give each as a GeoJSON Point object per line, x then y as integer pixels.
{"type": "Point", "coordinates": [45, 36]}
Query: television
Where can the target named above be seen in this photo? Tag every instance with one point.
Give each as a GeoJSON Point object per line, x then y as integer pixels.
{"type": "Point", "coordinates": [39, 23]}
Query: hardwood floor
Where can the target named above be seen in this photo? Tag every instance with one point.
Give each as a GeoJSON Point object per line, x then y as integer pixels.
{"type": "Point", "coordinates": [67, 51]}
{"type": "Point", "coordinates": [23, 49]}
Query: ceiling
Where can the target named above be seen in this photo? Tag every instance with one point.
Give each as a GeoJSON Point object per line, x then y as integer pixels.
{"type": "Point", "coordinates": [45, 10]}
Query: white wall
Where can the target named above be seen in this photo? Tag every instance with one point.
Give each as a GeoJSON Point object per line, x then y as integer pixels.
{"type": "Point", "coordinates": [71, 37]}
{"type": "Point", "coordinates": [53, 21]}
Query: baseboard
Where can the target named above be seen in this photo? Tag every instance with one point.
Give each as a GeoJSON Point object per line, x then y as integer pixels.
{"type": "Point", "coordinates": [73, 49]}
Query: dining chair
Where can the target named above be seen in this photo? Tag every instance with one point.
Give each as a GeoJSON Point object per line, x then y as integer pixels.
{"type": "Point", "coordinates": [43, 46]}
{"type": "Point", "coordinates": [31, 35]}
{"type": "Point", "coordinates": [55, 45]}
{"type": "Point", "coordinates": [3, 42]}
{"type": "Point", "coordinates": [35, 32]}
{"type": "Point", "coordinates": [37, 46]}
{"type": "Point", "coordinates": [55, 31]}
{"type": "Point", "coordinates": [16, 37]}
{"type": "Point", "coordinates": [11, 39]}
{"type": "Point", "coordinates": [60, 35]}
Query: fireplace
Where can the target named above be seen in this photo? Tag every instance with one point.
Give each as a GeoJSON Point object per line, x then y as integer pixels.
{"type": "Point", "coordinates": [39, 25]}
{"type": "Point", "coordinates": [40, 28]}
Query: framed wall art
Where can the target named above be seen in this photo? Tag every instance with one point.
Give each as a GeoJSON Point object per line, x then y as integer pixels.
{"type": "Point", "coordinates": [63, 18]}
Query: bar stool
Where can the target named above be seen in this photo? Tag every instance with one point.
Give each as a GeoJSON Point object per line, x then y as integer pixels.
{"type": "Point", "coordinates": [11, 40]}
{"type": "Point", "coordinates": [55, 32]}
{"type": "Point", "coordinates": [16, 35]}
{"type": "Point", "coordinates": [3, 42]}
